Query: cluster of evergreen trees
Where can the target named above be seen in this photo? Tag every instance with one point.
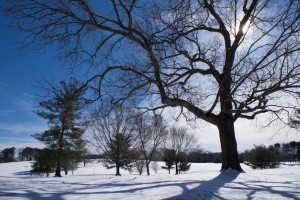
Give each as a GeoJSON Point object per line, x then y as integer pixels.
{"type": "Point", "coordinates": [28, 154]}
{"type": "Point", "coordinates": [263, 157]}
{"type": "Point", "coordinates": [23, 154]}
{"type": "Point", "coordinates": [7, 155]}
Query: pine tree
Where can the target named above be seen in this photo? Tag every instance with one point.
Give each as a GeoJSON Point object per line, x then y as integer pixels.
{"type": "Point", "coordinates": [63, 111]}
{"type": "Point", "coordinates": [262, 158]}
{"type": "Point", "coordinates": [168, 158]}
{"type": "Point", "coordinates": [8, 154]}
{"type": "Point", "coordinates": [118, 152]}
{"type": "Point", "coordinates": [45, 162]}
{"type": "Point", "coordinates": [183, 163]}
{"type": "Point", "coordinates": [113, 135]}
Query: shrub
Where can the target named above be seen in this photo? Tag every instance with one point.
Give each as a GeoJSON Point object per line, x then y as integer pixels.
{"type": "Point", "coordinates": [262, 158]}
{"type": "Point", "coordinates": [45, 163]}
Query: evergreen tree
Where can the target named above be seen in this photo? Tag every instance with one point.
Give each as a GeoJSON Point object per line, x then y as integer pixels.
{"type": "Point", "coordinates": [183, 163]}
{"type": "Point", "coordinates": [8, 154]}
{"type": "Point", "coordinates": [63, 111]}
{"type": "Point", "coordinates": [27, 153]}
{"type": "Point", "coordinates": [118, 153]}
{"type": "Point", "coordinates": [168, 158]}
{"type": "Point", "coordinates": [113, 135]}
{"type": "Point", "coordinates": [263, 158]}
{"type": "Point", "coordinates": [45, 162]}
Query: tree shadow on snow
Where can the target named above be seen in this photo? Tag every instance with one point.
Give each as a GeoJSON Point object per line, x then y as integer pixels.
{"type": "Point", "coordinates": [22, 173]}
{"type": "Point", "coordinates": [207, 189]}
{"type": "Point", "coordinates": [223, 186]}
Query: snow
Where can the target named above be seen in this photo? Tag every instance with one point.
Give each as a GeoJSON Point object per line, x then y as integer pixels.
{"type": "Point", "coordinates": [203, 181]}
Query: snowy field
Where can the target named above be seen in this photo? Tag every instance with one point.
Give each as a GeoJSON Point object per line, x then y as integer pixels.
{"type": "Point", "coordinates": [203, 181]}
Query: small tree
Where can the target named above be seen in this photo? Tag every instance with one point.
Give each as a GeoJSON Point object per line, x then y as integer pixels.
{"type": "Point", "coordinates": [150, 133]}
{"type": "Point", "coordinates": [179, 141]}
{"type": "Point", "coordinates": [183, 163]}
{"type": "Point", "coordinates": [45, 162]}
{"type": "Point", "coordinates": [113, 134]}
{"type": "Point", "coordinates": [168, 158]}
{"type": "Point", "coordinates": [139, 165]}
{"type": "Point", "coordinates": [71, 159]}
{"type": "Point", "coordinates": [155, 167]}
{"type": "Point", "coordinates": [262, 158]}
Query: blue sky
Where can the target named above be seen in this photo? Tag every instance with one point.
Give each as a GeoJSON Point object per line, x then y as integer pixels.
{"type": "Point", "coordinates": [19, 71]}
{"type": "Point", "coordinates": [18, 98]}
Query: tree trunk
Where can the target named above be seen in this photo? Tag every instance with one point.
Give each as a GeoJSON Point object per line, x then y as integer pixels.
{"type": "Point", "coordinates": [176, 168]}
{"type": "Point", "coordinates": [230, 158]}
{"type": "Point", "coordinates": [57, 172]}
{"type": "Point", "coordinates": [118, 170]}
{"type": "Point", "coordinates": [148, 168]}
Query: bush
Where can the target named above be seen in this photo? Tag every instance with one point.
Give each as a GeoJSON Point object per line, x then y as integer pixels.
{"type": "Point", "coordinates": [45, 163]}
{"type": "Point", "coordinates": [183, 163]}
{"type": "Point", "coordinates": [262, 158]}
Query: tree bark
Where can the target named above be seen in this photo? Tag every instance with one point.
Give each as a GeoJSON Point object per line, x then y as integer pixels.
{"type": "Point", "coordinates": [118, 170]}
{"type": "Point", "coordinates": [57, 172]}
{"type": "Point", "coordinates": [230, 158]}
{"type": "Point", "coordinates": [148, 168]}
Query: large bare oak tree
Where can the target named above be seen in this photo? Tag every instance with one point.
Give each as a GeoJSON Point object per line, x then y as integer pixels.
{"type": "Point", "coordinates": [219, 60]}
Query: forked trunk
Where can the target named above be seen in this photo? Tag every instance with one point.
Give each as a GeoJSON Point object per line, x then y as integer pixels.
{"type": "Point", "coordinates": [230, 158]}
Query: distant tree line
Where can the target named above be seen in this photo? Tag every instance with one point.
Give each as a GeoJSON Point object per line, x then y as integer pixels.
{"type": "Point", "coordinates": [8, 155]}
{"type": "Point", "coordinates": [13, 154]}
{"type": "Point", "coordinates": [202, 156]}
{"type": "Point", "coordinates": [263, 157]}
{"type": "Point", "coordinates": [27, 154]}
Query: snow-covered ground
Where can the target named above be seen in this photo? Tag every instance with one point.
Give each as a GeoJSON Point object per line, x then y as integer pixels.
{"type": "Point", "coordinates": [203, 181]}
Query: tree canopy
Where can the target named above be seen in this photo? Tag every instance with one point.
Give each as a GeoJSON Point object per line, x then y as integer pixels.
{"type": "Point", "coordinates": [217, 60]}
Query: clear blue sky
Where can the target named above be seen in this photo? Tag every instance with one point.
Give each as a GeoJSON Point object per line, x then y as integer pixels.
{"type": "Point", "coordinates": [19, 70]}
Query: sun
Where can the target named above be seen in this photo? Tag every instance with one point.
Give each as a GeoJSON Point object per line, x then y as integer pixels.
{"type": "Point", "coordinates": [246, 27]}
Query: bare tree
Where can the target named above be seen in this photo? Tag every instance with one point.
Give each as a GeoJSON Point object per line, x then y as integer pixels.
{"type": "Point", "coordinates": [217, 60]}
{"type": "Point", "coordinates": [155, 167]}
{"type": "Point", "coordinates": [113, 134]}
{"type": "Point", "coordinates": [150, 133]}
{"type": "Point", "coordinates": [179, 141]}
{"type": "Point", "coordinates": [139, 164]}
